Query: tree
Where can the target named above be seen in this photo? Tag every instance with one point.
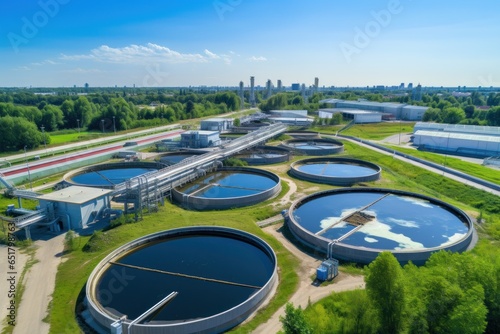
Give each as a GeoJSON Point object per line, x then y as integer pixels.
{"type": "Point", "coordinates": [294, 321]}
{"type": "Point", "coordinates": [237, 122]}
{"type": "Point", "coordinates": [385, 288]}
{"type": "Point", "coordinates": [453, 115]}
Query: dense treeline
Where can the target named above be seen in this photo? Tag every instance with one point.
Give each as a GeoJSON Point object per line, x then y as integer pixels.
{"type": "Point", "coordinates": [107, 110]}
{"type": "Point", "coordinates": [26, 118]}
{"type": "Point", "coordinates": [452, 293]}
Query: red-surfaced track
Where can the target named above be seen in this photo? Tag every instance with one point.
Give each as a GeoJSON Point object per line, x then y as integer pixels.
{"type": "Point", "coordinates": [77, 155]}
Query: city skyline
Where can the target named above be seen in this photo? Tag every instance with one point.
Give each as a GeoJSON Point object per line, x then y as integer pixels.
{"type": "Point", "coordinates": [61, 43]}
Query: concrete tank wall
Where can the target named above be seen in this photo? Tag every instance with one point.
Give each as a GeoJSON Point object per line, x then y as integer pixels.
{"type": "Point", "coordinates": [333, 180]}
{"type": "Point", "coordinates": [364, 255]}
{"type": "Point", "coordinates": [217, 323]}
{"type": "Point", "coordinates": [338, 148]}
{"type": "Point", "coordinates": [271, 160]}
{"type": "Point", "coordinates": [201, 203]}
{"type": "Point", "coordinates": [67, 177]}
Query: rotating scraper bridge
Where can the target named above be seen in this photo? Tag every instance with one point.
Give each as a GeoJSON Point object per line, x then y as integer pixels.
{"type": "Point", "coordinates": [147, 190]}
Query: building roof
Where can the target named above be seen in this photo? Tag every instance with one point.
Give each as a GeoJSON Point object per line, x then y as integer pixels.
{"type": "Point", "coordinates": [217, 119]}
{"type": "Point", "coordinates": [457, 135]}
{"type": "Point", "coordinates": [200, 132]}
{"type": "Point", "coordinates": [475, 129]}
{"type": "Point", "coordinates": [351, 111]}
{"type": "Point", "coordinates": [75, 195]}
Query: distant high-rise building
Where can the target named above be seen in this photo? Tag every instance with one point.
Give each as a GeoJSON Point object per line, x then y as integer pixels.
{"type": "Point", "coordinates": [86, 87]}
{"type": "Point", "coordinates": [402, 85]}
{"type": "Point", "coordinates": [410, 85]}
{"type": "Point", "coordinates": [269, 85]}
{"type": "Point", "coordinates": [303, 93]}
{"type": "Point", "coordinates": [416, 94]}
{"type": "Point", "coordinates": [316, 84]}
{"type": "Point", "coordinates": [242, 98]}
{"type": "Point", "coordinates": [280, 87]}
{"type": "Point", "coordinates": [252, 92]}
{"type": "Point", "coordinates": [295, 86]}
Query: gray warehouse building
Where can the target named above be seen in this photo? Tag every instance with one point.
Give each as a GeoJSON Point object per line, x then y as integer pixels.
{"type": "Point", "coordinates": [359, 116]}
{"type": "Point", "coordinates": [396, 110]}
{"type": "Point", "coordinates": [457, 143]}
{"type": "Point", "coordinates": [216, 124]}
{"type": "Point", "coordinates": [75, 206]}
{"type": "Point", "coordinates": [200, 139]}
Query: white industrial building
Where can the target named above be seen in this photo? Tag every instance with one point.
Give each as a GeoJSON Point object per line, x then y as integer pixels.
{"type": "Point", "coordinates": [288, 113]}
{"type": "Point", "coordinates": [359, 116]}
{"type": "Point", "coordinates": [290, 117]}
{"type": "Point", "coordinates": [216, 124]}
{"type": "Point", "coordinates": [457, 143]}
{"type": "Point", "coordinates": [200, 139]}
{"type": "Point", "coordinates": [75, 206]}
{"type": "Point", "coordinates": [395, 110]}
{"type": "Point", "coordinates": [460, 128]}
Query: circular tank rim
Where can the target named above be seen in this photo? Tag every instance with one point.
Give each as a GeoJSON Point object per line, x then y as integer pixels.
{"type": "Point", "coordinates": [207, 324]}
{"type": "Point", "coordinates": [115, 165]}
{"type": "Point", "coordinates": [335, 180]}
{"type": "Point", "coordinates": [284, 151]}
{"type": "Point", "coordinates": [334, 150]}
{"type": "Point", "coordinates": [167, 154]}
{"type": "Point", "coordinates": [402, 255]}
{"type": "Point", "coordinates": [240, 201]}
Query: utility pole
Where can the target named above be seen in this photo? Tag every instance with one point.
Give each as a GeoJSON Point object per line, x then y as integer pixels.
{"type": "Point", "coordinates": [27, 165]}
{"type": "Point", "coordinates": [44, 142]}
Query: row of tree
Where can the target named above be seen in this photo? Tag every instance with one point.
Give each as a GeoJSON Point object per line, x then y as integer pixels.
{"type": "Point", "coordinates": [108, 115]}
{"type": "Point", "coordinates": [452, 293]}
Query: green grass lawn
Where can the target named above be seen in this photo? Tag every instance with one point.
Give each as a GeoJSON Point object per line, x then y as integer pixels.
{"type": "Point", "coordinates": [378, 131]}
{"type": "Point", "coordinates": [480, 171]}
{"type": "Point", "coordinates": [65, 138]}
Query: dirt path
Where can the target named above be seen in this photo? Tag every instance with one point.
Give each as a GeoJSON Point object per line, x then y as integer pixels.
{"type": "Point", "coordinates": [39, 286]}
{"type": "Point", "coordinates": [306, 291]}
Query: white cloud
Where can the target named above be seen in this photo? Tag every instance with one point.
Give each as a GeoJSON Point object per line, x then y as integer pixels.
{"type": "Point", "coordinates": [83, 70]}
{"type": "Point", "coordinates": [149, 53]}
{"type": "Point", "coordinates": [45, 62]}
{"type": "Point", "coordinates": [211, 55]}
{"type": "Point", "coordinates": [260, 58]}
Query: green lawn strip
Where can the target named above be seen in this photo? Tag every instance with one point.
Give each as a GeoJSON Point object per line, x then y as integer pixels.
{"type": "Point", "coordinates": [480, 171]}
{"type": "Point", "coordinates": [378, 131]}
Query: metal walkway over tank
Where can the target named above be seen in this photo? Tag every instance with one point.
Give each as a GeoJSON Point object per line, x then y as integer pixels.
{"type": "Point", "coordinates": [148, 189]}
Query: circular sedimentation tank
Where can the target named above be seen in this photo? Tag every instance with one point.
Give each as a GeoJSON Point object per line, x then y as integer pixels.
{"type": "Point", "coordinates": [109, 175]}
{"type": "Point", "coordinates": [176, 157]}
{"type": "Point", "coordinates": [228, 187]}
{"type": "Point", "coordinates": [216, 277]}
{"type": "Point", "coordinates": [264, 155]}
{"type": "Point", "coordinates": [314, 146]}
{"type": "Point", "coordinates": [356, 224]}
{"type": "Point", "coordinates": [335, 171]}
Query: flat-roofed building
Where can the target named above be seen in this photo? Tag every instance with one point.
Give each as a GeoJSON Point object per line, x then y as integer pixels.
{"type": "Point", "coordinates": [457, 143]}
{"type": "Point", "coordinates": [76, 206]}
{"type": "Point", "coordinates": [216, 124]}
{"type": "Point", "coordinates": [359, 116]}
{"type": "Point", "coordinates": [200, 139]}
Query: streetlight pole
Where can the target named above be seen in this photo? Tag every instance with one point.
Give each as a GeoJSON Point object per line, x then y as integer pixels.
{"type": "Point", "coordinates": [78, 124]}
{"type": "Point", "coordinates": [114, 126]}
{"type": "Point", "coordinates": [102, 121]}
{"type": "Point", "coordinates": [27, 165]}
{"type": "Point", "coordinates": [44, 142]}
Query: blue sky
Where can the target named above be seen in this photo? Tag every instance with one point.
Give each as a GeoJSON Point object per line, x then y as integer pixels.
{"type": "Point", "coordinates": [53, 43]}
